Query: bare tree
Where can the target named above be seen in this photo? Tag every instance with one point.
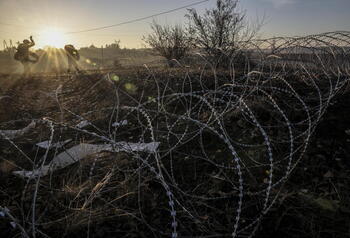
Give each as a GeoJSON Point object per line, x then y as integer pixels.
{"type": "Point", "coordinates": [171, 42]}
{"type": "Point", "coordinates": [221, 31]}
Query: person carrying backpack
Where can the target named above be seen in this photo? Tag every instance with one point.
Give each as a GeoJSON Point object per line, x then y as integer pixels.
{"type": "Point", "coordinates": [72, 56]}
{"type": "Point", "coordinates": [25, 56]}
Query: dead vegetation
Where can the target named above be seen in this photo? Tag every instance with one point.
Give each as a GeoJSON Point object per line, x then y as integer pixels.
{"type": "Point", "coordinates": [233, 146]}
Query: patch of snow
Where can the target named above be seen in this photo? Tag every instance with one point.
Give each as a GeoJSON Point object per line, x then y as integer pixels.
{"type": "Point", "coordinates": [83, 124]}
{"type": "Point", "coordinates": [45, 144]}
{"type": "Point", "coordinates": [80, 151]}
{"type": "Point", "coordinates": [122, 123]}
{"type": "Point", "coordinates": [13, 134]}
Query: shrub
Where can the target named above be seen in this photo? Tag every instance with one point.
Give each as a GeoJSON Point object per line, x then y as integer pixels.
{"type": "Point", "coordinates": [171, 42]}
{"type": "Point", "coordinates": [221, 32]}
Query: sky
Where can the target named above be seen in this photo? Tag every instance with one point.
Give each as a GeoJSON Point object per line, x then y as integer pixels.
{"type": "Point", "coordinates": [47, 20]}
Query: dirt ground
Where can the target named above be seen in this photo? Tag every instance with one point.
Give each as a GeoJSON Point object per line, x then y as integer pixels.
{"type": "Point", "coordinates": [315, 202]}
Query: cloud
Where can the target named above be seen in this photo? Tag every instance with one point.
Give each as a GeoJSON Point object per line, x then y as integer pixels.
{"type": "Point", "coordinates": [280, 3]}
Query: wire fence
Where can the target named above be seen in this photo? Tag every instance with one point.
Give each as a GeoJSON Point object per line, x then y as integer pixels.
{"type": "Point", "coordinates": [178, 153]}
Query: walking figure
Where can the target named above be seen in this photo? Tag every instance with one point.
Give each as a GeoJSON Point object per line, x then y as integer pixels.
{"type": "Point", "coordinates": [72, 56]}
{"type": "Point", "coordinates": [25, 56]}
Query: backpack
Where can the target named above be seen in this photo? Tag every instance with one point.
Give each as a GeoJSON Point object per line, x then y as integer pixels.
{"type": "Point", "coordinates": [20, 53]}
{"type": "Point", "coordinates": [18, 56]}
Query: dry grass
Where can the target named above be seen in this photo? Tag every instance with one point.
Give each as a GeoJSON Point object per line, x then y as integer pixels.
{"type": "Point", "coordinates": [229, 142]}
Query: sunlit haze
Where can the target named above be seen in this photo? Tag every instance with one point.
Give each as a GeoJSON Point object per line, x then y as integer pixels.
{"type": "Point", "coordinates": [52, 37]}
{"type": "Point", "coordinates": [21, 18]}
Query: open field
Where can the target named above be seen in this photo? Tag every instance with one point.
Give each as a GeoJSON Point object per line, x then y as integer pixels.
{"type": "Point", "coordinates": [54, 60]}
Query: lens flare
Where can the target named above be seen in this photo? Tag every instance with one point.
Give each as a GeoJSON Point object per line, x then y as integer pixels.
{"type": "Point", "coordinates": [52, 37]}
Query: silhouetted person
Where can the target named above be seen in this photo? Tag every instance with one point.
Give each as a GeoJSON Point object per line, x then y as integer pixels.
{"type": "Point", "coordinates": [73, 56]}
{"type": "Point", "coordinates": [25, 56]}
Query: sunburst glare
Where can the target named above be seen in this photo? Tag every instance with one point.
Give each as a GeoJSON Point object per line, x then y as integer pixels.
{"type": "Point", "coordinates": [52, 37]}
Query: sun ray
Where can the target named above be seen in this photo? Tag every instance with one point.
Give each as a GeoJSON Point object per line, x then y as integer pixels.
{"type": "Point", "coordinates": [52, 37]}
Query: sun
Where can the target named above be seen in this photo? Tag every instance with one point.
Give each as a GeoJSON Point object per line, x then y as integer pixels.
{"type": "Point", "coordinates": [52, 37]}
